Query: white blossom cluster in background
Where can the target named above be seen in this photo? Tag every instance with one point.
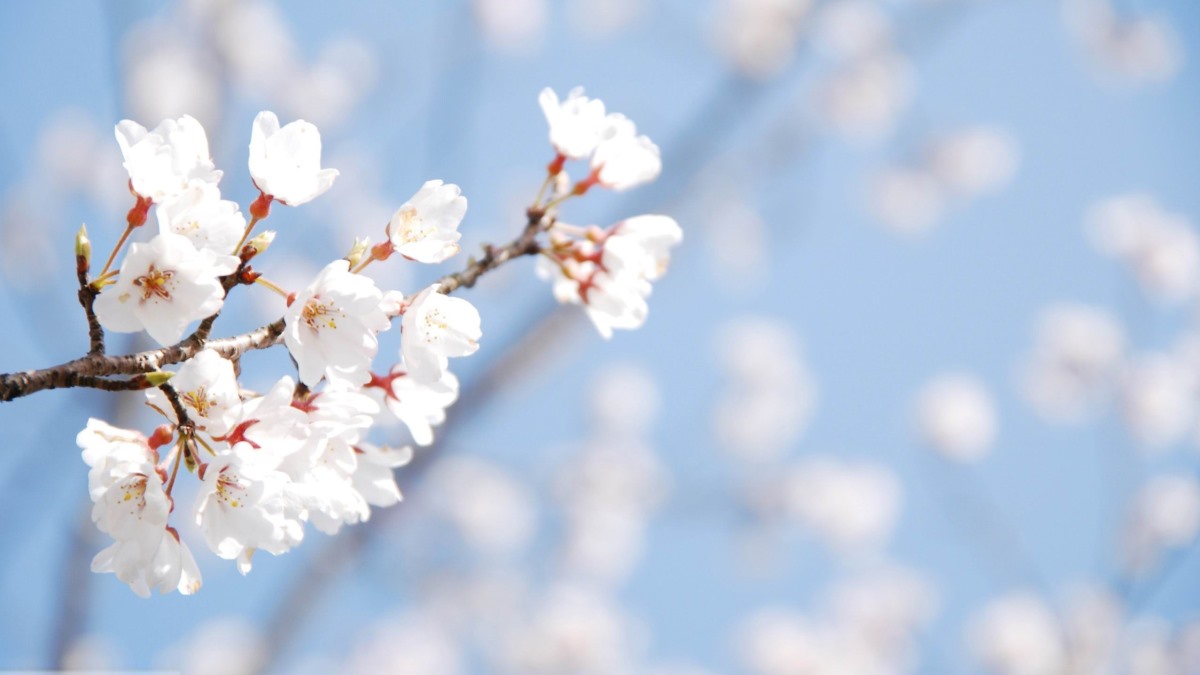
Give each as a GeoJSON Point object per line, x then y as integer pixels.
{"type": "Point", "coordinates": [1020, 633]}
{"type": "Point", "coordinates": [868, 624]}
{"type": "Point", "coordinates": [271, 462]}
{"type": "Point", "coordinates": [956, 168]}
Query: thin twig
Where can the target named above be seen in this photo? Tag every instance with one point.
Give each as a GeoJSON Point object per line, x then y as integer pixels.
{"type": "Point", "coordinates": [87, 300]}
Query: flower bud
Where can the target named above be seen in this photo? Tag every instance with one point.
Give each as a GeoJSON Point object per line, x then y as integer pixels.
{"type": "Point", "coordinates": [162, 435]}
{"type": "Point", "coordinates": [83, 250]}
{"type": "Point", "coordinates": [158, 378]}
{"type": "Point", "coordinates": [357, 251]}
{"type": "Point", "coordinates": [83, 245]}
{"type": "Point", "coordinates": [257, 245]}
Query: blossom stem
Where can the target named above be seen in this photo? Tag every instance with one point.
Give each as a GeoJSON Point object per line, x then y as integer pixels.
{"type": "Point", "coordinates": [274, 287]}
{"type": "Point", "coordinates": [113, 256]}
{"type": "Point", "coordinates": [180, 448]}
{"type": "Point", "coordinates": [363, 265]}
{"type": "Point", "coordinates": [555, 202]}
{"type": "Point", "coordinates": [542, 190]}
{"type": "Point", "coordinates": [246, 235]}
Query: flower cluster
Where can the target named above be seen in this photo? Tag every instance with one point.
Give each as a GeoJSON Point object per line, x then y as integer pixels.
{"type": "Point", "coordinates": [607, 270]}
{"type": "Point", "coordinates": [300, 453]}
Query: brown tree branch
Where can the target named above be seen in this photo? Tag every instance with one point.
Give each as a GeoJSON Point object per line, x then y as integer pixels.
{"type": "Point", "coordinates": [87, 300]}
{"type": "Point", "coordinates": [93, 369]}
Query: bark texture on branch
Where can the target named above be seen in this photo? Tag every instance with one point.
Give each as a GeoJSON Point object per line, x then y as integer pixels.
{"type": "Point", "coordinates": [96, 368]}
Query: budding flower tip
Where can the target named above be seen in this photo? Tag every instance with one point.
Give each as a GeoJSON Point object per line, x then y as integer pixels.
{"type": "Point", "coordinates": [83, 245]}
{"type": "Point", "coordinates": [159, 377]}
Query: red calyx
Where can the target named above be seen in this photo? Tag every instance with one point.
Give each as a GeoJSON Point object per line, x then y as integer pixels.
{"type": "Point", "coordinates": [141, 208]}
{"type": "Point", "coordinates": [261, 207]}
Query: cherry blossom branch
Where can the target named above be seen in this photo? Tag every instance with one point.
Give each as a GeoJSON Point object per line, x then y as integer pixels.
{"type": "Point", "coordinates": [92, 369]}
{"type": "Point", "coordinates": [493, 257]}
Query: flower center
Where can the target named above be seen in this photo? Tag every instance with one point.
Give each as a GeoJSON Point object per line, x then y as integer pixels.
{"type": "Point", "coordinates": [133, 493]}
{"type": "Point", "coordinates": [410, 227]}
{"type": "Point", "coordinates": [319, 314]}
{"type": "Point", "coordinates": [155, 283]}
{"type": "Point", "coordinates": [199, 400]}
{"type": "Point", "coordinates": [230, 490]}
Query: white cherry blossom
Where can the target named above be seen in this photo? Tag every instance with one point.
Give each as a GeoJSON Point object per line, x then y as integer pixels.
{"type": "Point", "coordinates": [419, 404]}
{"type": "Point", "coordinates": [339, 415]}
{"type": "Point", "coordinates": [575, 123]}
{"type": "Point", "coordinates": [212, 224]}
{"type": "Point", "coordinates": [425, 228]}
{"type": "Point", "coordinates": [609, 271]}
{"type": "Point", "coordinates": [285, 163]}
{"type": "Point", "coordinates": [244, 505]}
{"type": "Point", "coordinates": [436, 326]}
{"type": "Point", "coordinates": [373, 477]}
{"type": "Point", "coordinates": [164, 162]}
{"type": "Point", "coordinates": [170, 567]}
{"type": "Point", "coordinates": [641, 246]}
{"type": "Point", "coordinates": [208, 390]}
{"type": "Point", "coordinates": [331, 326]}
{"type": "Point", "coordinates": [623, 159]}
{"type": "Point", "coordinates": [163, 286]}
{"type": "Point", "coordinates": [131, 506]}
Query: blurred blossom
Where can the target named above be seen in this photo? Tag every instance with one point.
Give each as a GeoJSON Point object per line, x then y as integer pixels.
{"type": "Point", "coordinates": [1148, 650]}
{"type": "Point", "coordinates": [1092, 622]}
{"type": "Point", "coordinates": [226, 646]}
{"type": "Point", "coordinates": [329, 90]}
{"type": "Point", "coordinates": [848, 29]}
{"type": "Point", "coordinates": [608, 491]}
{"type": "Point", "coordinates": [27, 227]}
{"type": "Point", "coordinates": [738, 242]}
{"type": "Point", "coordinates": [780, 642]}
{"type": "Point", "coordinates": [759, 36]}
{"type": "Point", "coordinates": [1077, 351]}
{"type": "Point", "coordinates": [1158, 400]}
{"type": "Point", "coordinates": [255, 44]}
{"type": "Point", "coordinates": [1018, 635]}
{"type": "Point", "coordinates": [90, 653]}
{"type": "Point", "coordinates": [511, 24]}
{"type": "Point", "coordinates": [859, 634]}
{"type": "Point", "coordinates": [907, 201]}
{"type": "Point", "coordinates": [852, 506]}
{"type": "Point", "coordinates": [1162, 249]}
{"type": "Point", "coordinates": [1133, 49]}
{"type": "Point", "coordinates": [624, 400]}
{"type": "Point", "coordinates": [958, 166]}
{"type": "Point", "coordinates": [601, 19]}
{"type": "Point", "coordinates": [1166, 514]}
{"type": "Point", "coordinates": [412, 643]}
{"type": "Point", "coordinates": [887, 608]}
{"type": "Point", "coordinates": [956, 416]}
{"type": "Point", "coordinates": [167, 75]}
{"type": "Point", "coordinates": [492, 511]}
{"type": "Point", "coordinates": [69, 148]}
{"type": "Point", "coordinates": [570, 629]}
{"type": "Point", "coordinates": [770, 394]}
{"type": "Point", "coordinates": [862, 100]}
{"type": "Point", "coordinates": [479, 598]}
{"type": "Point", "coordinates": [975, 161]}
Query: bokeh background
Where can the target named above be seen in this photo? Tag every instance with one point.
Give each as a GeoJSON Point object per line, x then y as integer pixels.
{"type": "Point", "coordinates": [919, 394]}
